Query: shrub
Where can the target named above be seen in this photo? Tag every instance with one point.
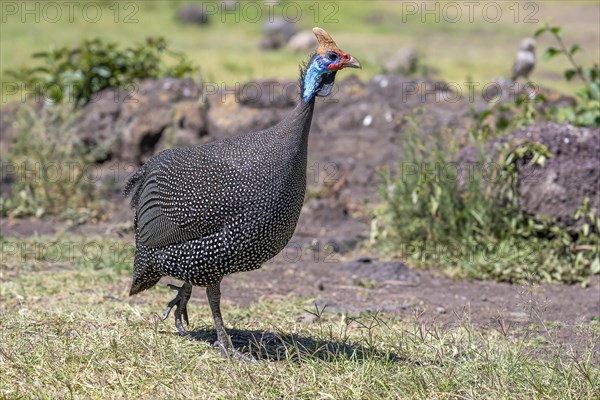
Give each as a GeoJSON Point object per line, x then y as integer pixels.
{"type": "Point", "coordinates": [587, 110]}
{"type": "Point", "coordinates": [77, 74]}
{"type": "Point", "coordinates": [472, 224]}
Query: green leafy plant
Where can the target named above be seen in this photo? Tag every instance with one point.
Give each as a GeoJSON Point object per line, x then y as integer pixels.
{"type": "Point", "coordinates": [471, 223]}
{"type": "Point", "coordinates": [507, 116]}
{"type": "Point", "coordinates": [587, 111]}
{"type": "Point", "coordinates": [77, 74]}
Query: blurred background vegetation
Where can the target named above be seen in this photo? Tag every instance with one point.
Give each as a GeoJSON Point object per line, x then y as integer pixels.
{"type": "Point", "coordinates": [227, 50]}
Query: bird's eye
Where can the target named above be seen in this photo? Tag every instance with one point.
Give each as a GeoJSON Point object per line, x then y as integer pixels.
{"type": "Point", "coordinates": [332, 56]}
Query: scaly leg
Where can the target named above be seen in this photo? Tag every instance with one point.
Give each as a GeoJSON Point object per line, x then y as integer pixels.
{"type": "Point", "coordinates": [224, 342]}
{"type": "Point", "coordinates": [183, 296]}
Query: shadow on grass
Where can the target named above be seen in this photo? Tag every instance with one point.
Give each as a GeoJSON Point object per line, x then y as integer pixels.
{"type": "Point", "coordinates": [273, 346]}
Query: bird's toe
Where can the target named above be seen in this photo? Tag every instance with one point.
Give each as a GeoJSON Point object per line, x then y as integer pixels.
{"type": "Point", "coordinates": [229, 352]}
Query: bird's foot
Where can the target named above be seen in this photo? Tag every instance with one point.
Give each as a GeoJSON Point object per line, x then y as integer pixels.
{"type": "Point", "coordinates": [227, 351]}
{"type": "Point", "coordinates": [183, 295]}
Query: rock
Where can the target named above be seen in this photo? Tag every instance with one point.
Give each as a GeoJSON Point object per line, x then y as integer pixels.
{"type": "Point", "coordinates": [307, 318]}
{"type": "Point", "coordinates": [269, 43]}
{"type": "Point", "coordinates": [559, 188]}
{"type": "Point", "coordinates": [97, 123]}
{"type": "Point", "coordinates": [132, 126]}
{"type": "Point", "coordinates": [227, 117]}
{"type": "Point", "coordinates": [405, 62]}
{"type": "Point", "coordinates": [303, 42]}
{"type": "Point", "coordinates": [344, 244]}
{"type": "Point", "coordinates": [188, 124]}
{"type": "Point", "coordinates": [519, 316]}
{"type": "Point", "coordinates": [276, 32]}
{"type": "Point", "coordinates": [255, 106]}
{"type": "Point", "coordinates": [229, 5]}
{"type": "Point", "coordinates": [368, 269]}
{"type": "Point", "coordinates": [269, 93]}
{"type": "Point", "coordinates": [192, 14]}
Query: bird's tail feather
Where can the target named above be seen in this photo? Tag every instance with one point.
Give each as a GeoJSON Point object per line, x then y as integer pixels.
{"type": "Point", "coordinates": [135, 182]}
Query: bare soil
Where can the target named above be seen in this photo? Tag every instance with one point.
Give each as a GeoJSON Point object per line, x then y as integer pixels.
{"type": "Point", "coordinates": [348, 143]}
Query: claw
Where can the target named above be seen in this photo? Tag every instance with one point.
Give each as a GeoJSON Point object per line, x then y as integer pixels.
{"type": "Point", "coordinates": [228, 351]}
{"type": "Point", "coordinates": [183, 295]}
{"type": "Point", "coordinates": [170, 306]}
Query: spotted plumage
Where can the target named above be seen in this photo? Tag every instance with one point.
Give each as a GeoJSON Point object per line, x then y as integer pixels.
{"type": "Point", "coordinates": [228, 206]}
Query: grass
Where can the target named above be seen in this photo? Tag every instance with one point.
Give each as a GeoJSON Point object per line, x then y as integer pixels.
{"type": "Point", "coordinates": [69, 331]}
{"type": "Point", "coordinates": [227, 52]}
{"type": "Point", "coordinates": [46, 145]}
{"type": "Point", "coordinates": [471, 224]}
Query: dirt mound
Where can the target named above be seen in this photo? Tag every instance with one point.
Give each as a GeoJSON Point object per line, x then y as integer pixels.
{"type": "Point", "coordinates": [559, 187]}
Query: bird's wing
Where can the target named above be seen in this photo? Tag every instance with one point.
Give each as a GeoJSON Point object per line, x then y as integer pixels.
{"type": "Point", "coordinates": [513, 73]}
{"type": "Point", "coordinates": [517, 68]}
{"type": "Point", "coordinates": [523, 65]}
{"type": "Point", "coordinates": [184, 196]}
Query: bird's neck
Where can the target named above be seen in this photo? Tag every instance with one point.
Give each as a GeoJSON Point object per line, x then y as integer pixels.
{"type": "Point", "coordinates": [301, 116]}
{"type": "Point", "coordinates": [311, 79]}
{"type": "Point", "coordinates": [293, 130]}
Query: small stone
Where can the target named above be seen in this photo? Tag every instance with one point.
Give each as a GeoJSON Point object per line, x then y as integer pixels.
{"type": "Point", "coordinates": [440, 310]}
{"type": "Point", "coordinates": [302, 42]}
{"type": "Point", "coordinates": [192, 14]}
{"type": "Point", "coordinates": [229, 5]}
{"type": "Point", "coordinates": [276, 33]}
{"type": "Point", "coordinates": [404, 62]}
{"type": "Point", "coordinates": [519, 315]}
{"type": "Point", "coordinates": [307, 318]}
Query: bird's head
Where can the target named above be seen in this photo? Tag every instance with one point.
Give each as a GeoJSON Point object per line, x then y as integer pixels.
{"type": "Point", "coordinates": [319, 74]}
{"type": "Point", "coordinates": [527, 44]}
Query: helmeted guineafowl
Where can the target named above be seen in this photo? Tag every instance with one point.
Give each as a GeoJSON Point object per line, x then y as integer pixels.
{"type": "Point", "coordinates": [228, 206]}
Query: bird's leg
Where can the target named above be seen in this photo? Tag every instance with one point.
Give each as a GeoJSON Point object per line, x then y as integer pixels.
{"type": "Point", "coordinates": [213, 293]}
{"type": "Point", "coordinates": [184, 292]}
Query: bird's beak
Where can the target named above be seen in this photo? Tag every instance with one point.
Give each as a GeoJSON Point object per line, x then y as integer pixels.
{"type": "Point", "coordinates": [351, 63]}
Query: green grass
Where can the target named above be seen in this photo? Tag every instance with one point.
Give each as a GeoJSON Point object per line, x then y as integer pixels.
{"type": "Point", "coordinates": [69, 331]}
{"type": "Point", "coordinates": [227, 52]}
{"type": "Point", "coordinates": [471, 224]}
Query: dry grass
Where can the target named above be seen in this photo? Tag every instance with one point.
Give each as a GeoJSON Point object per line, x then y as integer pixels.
{"type": "Point", "coordinates": [69, 331]}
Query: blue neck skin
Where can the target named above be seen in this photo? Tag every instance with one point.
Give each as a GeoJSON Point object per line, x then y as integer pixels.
{"type": "Point", "coordinates": [313, 78]}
